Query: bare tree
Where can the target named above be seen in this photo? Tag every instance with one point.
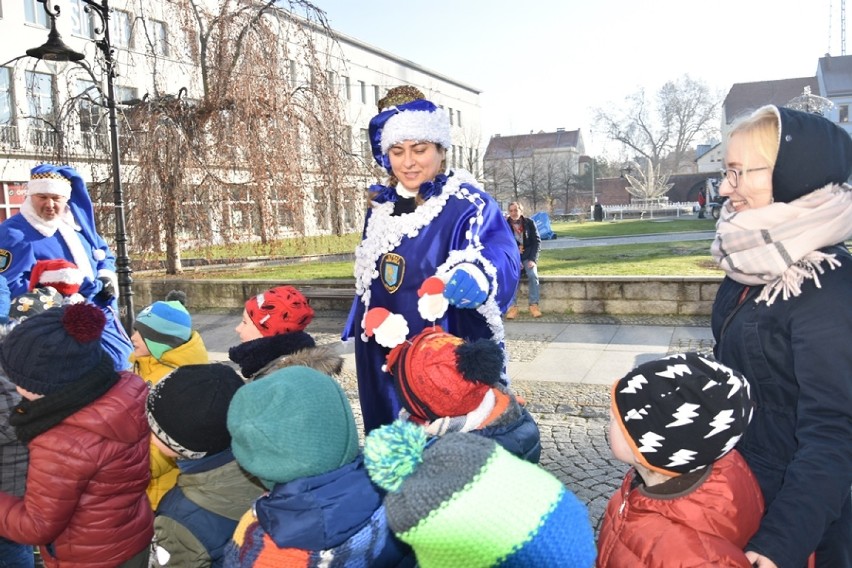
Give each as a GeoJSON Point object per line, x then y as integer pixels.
{"type": "Point", "coordinates": [664, 131]}
{"type": "Point", "coordinates": [254, 142]}
{"type": "Point", "coordinates": [647, 184]}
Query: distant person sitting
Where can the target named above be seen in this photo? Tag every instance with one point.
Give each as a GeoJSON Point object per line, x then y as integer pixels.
{"type": "Point", "coordinates": [529, 243]}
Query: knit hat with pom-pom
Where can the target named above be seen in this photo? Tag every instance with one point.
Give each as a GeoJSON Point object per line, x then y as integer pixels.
{"type": "Point", "coordinates": [437, 374]}
{"type": "Point", "coordinates": [465, 501]}
{"type": "Point", "coordinates": [47, 352]}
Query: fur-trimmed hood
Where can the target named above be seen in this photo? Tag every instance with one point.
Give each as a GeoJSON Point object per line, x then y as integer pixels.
{"type": "Point", "coordinates": [323, 358]}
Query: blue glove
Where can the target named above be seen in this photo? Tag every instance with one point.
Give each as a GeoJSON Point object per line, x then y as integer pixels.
{"type": "Point", "coordinates": [466, 287]}
{"type": "Point", "coordinates": [5, 300]}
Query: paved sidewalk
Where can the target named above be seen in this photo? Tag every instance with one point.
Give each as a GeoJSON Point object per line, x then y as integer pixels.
{"type": "Point", "coordinates": [562, 365]}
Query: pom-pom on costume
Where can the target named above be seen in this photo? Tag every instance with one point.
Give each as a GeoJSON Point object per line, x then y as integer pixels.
{"type": "Point", "coordinates": [465, 501]}
{"type": "Point", "coordinates": [456, 223]}
{"type": "Point", "coordinates": [26, 238]}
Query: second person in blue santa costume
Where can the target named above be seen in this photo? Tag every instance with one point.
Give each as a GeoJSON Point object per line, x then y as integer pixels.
{"type": "Point", "coordinates": [57, 221]}
{"type": "Point", "coordinates": [428, 224]}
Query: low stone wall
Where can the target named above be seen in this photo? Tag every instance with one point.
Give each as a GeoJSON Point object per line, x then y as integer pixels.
{"type": "Point", "coordinates": [613, 295]}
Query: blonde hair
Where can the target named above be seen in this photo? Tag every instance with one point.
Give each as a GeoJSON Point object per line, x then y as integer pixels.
{"type": "Point", "coordinates": [762, 131]}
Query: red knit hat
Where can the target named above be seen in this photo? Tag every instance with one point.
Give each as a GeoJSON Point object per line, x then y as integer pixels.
{"type": "Point", "coordinates": [279, 310]}
{"type": "Point", "coordinates": [437, 374]}
{"type": "Point", "coordinates": [57, 273]}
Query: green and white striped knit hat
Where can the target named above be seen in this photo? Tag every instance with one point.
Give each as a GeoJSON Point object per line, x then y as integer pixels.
{"type": "Point", "coordinates": [465, 501]}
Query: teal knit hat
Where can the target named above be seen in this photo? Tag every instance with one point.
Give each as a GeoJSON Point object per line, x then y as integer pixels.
{"type": "Point", "coordinates": [293, 423]}
{"type": "Point", "coordinates": [465, 501]}
{"type": "Point", "coordinates": [164, 325]}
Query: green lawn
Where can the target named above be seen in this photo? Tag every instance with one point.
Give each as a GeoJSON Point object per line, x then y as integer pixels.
{"type": "Point", "coordinates": [687, 258]}
{"type": "Point", "coordinates": [589, 229]}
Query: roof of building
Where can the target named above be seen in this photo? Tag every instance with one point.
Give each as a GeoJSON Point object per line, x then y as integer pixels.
{"type": "Point", "coordinates": [744, 98]}
{"type": "Point", "coordinates": [524, 145]}
{"type": "Point", "coordinates": [836, 74]}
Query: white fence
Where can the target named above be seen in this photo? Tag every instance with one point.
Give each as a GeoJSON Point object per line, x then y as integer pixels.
{"type": "Point", "coordinates": [648, 210]}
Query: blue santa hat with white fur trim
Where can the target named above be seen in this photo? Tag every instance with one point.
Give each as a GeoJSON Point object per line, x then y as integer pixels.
{"type": "Point", "coordinates": [405, 114]}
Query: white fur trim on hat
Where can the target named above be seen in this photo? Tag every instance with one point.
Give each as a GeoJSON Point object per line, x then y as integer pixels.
{"type": "Point", "coordinates": [420, 125]}
{"type": "Point", "coordinates": [51, 186]}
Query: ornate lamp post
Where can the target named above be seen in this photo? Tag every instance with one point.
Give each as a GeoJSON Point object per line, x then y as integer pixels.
{"type": "Point", "coordinates": [56, 50]}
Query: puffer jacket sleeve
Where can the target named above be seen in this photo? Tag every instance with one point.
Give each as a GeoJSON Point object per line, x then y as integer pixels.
{"type": "Point", "coordinates": [58, 474]}
{"type": "Point", "coordinates": [175, 545]}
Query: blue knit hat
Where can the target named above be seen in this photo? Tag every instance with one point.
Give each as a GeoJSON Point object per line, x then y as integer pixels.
{"type": "Point", "coordinates": [164, 325]}
{"type": "Point", "coordinates": [293, 423]}
{"type": "Point", "coordinates": [465, 501]}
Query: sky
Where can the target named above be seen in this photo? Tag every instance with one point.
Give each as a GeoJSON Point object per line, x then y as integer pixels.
{"type": "Point", "coordinates": [547, 64]}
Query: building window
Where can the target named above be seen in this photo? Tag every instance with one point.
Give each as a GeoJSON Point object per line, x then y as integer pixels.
{"type": "Point", "coordinates": [376, 94]}
{"type": "Point", "coordinates": [366, 150]}
{"type": "Point", "coordinates": [41, 106]}
{"type": "Point", "coordinates": [159, 38]}
{"type": "Point", "coordinates": [450, 112]}
{"type": "Point", "coordinates": [8, 131]}
{"type": "Point", "coordinates": [93, 137]}
{"type": "Point", "coordinates": [347, 88]}
{"type": "Point", "coordinates": [458, 118]}
{"type": "Point", "coordinates": [844, 113]}
{"type": "Point", "coordinates": [126, 95]}
{"type": "Point", "coordinates": [363, 87]}
{"type": "Point", "coordinates": [120, 29]}
{"type": "Point", "coordinates": [81, 22]}
{"type": "Point", "coordinates": [34, 13]}
{"type": "Point", "coordinates": [293, 73]}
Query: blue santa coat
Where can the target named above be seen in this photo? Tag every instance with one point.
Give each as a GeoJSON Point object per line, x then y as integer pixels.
{"type": "Point", "coordinates": [470, 223]}
{"type": "Point", "coordinates": [21, 245]}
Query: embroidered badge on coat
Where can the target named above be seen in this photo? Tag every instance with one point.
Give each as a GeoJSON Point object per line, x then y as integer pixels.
{"type": "Point", "coordinates": [5, 259]}
{"type": "Point", "coordinates": [392, 269]}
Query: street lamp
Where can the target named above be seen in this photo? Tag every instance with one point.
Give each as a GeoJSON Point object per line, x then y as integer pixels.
{"type": "Point", "coordinates": [56, 50]}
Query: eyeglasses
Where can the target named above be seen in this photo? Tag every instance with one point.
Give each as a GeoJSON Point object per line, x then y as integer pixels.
{"type": "Point", "coordinates": [733, 176]}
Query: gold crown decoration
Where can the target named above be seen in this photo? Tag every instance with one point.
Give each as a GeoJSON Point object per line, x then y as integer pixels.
{"type": "Point", "coordinates": [400, 95]}
{"type": "Point", "coordinates": [50, 175]}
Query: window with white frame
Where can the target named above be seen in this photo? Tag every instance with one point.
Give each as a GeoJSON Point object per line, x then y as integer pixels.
{"type": "Point", "coordinates": [366, 149]}
{"type": "Point", "coordinates": [293, 78]}
{"type": "Point", "coordinates": [159, 38]}
{"type": "Point", "coordinates": [40, 103]}
{"type": "Point", "coordinates": [81, 21]}
{"type": "Point", "coordinates": [450, 112]}
{"type": "Point", "coordinates": [347, 88]}
{"type": "Point", "coordinates": [124, 95]}
{"type": "Point", "coordinates": [376, 94]}
{"type": "Point", "coordinates": [8, 130]}
{"type": "Point", "coordinates": [88, 95]}
{"type": "Point", "coordinates": [363, 86]}
{"type": "Point", "coordinates": [34, 13]}
{"type": "Point", "coordinates": [844, 113]}
{"type": "Point", "coordinates": [5, 96]}
{"type": "Point", "coordinates": [120, 28]}
{"type": "Point", "coordinates": [458, 118]}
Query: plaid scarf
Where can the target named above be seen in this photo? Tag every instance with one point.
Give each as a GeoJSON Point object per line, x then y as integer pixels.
{"type": "Point", "coordinates": [778, 245]}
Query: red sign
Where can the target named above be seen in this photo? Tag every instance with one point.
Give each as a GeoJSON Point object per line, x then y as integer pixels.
{"type": "Point", "coordinates": [15, 193]}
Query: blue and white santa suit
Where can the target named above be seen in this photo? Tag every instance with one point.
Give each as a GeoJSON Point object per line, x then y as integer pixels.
{"type": "Point", "coordinates": [457, 234]}
{"type": "Point", "coordinates": [26, 238]}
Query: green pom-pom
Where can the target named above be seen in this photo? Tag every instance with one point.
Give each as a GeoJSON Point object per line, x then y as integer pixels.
{"type": "Point", "coordinates": [393, 452]}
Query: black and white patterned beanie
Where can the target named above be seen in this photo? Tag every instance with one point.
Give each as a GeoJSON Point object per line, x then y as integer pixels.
{"type": "Point", "coordinates": [682, 412]}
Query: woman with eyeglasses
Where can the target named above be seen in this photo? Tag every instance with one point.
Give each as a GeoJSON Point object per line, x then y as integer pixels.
{"type": "Point", "coordinates": [783, 318]}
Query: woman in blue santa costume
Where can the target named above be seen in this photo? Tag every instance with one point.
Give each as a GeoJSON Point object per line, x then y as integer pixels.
{"type": "Point", "coordinates": [427, 224]}
{"type": "Point", "coordinates": [57, 221]}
